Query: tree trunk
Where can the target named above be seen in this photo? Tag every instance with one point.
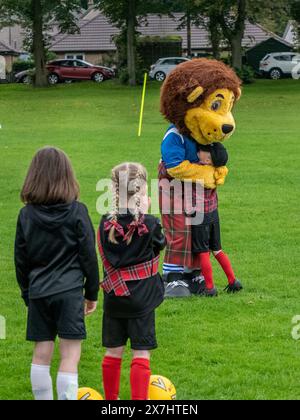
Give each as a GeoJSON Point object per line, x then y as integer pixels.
{"type": "Point", "coordinates": [40, 79]}
{"type": "Point", "coordinates": [131, 47]}
{"type": "Point", "coordinates": [235, 35]}
{"type": "Point", "coordinates": [237, 52]}
{"type": "Point", "coordinates": [189, 34]}
{"type": "Point", "coordinates": [215, 37]}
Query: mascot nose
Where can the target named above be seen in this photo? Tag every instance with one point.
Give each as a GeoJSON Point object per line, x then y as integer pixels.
{"type": "Point", "coordinates": [227, 128]}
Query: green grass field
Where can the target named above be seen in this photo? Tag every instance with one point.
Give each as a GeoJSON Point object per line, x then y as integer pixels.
{"type": "Point", "coordinates": [232, 347]}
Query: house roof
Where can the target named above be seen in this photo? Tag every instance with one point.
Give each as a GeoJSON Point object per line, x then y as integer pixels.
{"type": "Point", "coordinates": [4, 49]}
{"type": "Point", "coordinates": [96, 33]}
{"type": "Point", "coordinates": [273, 36]}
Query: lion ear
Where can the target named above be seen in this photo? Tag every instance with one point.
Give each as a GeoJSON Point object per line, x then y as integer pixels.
{"type": "Point", "coordinates": [195, 94]}
{"type": "Point", "coordinates": [239, 94]}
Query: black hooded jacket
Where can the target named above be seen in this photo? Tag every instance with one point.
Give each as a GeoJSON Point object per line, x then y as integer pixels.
{"type": "Point", "coordinates": [145, 295]}
{"type": "Point", "coordinates": [55, 251]}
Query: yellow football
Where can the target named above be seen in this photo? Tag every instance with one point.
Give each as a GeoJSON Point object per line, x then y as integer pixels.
{"type": "Point", "coordinates": [161, 388]}
{"type": "Point", "coordinates": [86, 394]}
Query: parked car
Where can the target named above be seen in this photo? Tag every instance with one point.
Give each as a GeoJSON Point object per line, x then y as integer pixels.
{"type": "Point", "coordinates": [68, 70]}
{"type": "Point", "coordinates": [277, 65]}
{"type": "Point", "coordinates": [164, 66]}
{"type": "Point", "coordinates": [24, 76]}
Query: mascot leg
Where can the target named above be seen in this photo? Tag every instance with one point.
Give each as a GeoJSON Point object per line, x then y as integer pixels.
{"type": "Point", "coordinates": [179, 279]}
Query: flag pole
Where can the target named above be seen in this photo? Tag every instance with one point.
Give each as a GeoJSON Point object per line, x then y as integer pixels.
{"type": "Point", "coordinates": [143, 105]}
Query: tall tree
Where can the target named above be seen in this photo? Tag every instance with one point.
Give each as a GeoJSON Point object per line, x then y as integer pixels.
{"type": "Point", "coordinates": [231, 16]}
{"type": "Point", "coordinates": [128, 15]}
{"type": "Point", "coordinates": [295, 14]}
{"type": "Point", "coordinates": [35, 16]}
{"type": "Point", "coordinates": [192, 10]}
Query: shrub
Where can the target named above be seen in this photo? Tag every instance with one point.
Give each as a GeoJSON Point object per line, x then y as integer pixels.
{"type": "Point", "coordinates": [246, 74]}
{"type": "Point", "coordinates": [21, 65]}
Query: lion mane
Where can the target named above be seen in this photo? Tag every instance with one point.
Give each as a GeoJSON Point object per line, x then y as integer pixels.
{"type": "Point", "coordinates": [181, 82]}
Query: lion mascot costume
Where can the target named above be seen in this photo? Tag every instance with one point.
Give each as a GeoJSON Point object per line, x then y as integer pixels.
{"type": "Point", "coordinates": [197, 98]}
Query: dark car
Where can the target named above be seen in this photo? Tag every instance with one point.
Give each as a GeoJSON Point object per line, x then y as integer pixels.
{"type": "Point", "coordinates": [68, 70]}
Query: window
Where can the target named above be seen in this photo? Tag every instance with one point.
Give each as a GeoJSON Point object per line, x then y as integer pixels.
{"type": "Point", "coordinates": [170, 62]}
{"type": "Point", "coordinates": [180, 60]}
{"type": "Point", "coordinates": [79, 56]}
{"type": "Point", "coordinates": [67, 63]}
{"type": "Point", "coordinates": [283, 58]}
{"type": "Point", "coordinates": [81, 64]}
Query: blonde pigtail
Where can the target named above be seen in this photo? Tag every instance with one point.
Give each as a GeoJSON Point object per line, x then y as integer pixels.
{"type": "Point", "coordinates": [115, 212]}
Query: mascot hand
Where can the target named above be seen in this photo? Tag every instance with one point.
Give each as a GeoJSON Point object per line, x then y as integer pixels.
{"type": "Point", "coordinates": [221, 174]}
{"type": "Point", "coordinates": [194, 172]}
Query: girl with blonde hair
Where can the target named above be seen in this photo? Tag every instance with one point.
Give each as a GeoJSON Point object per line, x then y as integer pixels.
{"type": "Point", "coordinates": [129, 242]}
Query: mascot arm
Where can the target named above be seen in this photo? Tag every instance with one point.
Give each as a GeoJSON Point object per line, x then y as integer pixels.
{"type": "Point", "coordinates": [193, 172]}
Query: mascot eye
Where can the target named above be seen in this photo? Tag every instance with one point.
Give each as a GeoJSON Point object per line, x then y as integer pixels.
{"type": "Point", "coordinates": [216, 106]}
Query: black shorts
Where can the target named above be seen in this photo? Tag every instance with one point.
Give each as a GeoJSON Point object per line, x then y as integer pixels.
{"type": "Point", "coordinates": [207, 236]}
{"type": "Point", "coordinates": [60, 315]}
{"type": "Point", "coordinates": [140, 331]}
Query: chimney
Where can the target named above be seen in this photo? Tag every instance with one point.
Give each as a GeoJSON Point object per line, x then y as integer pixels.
{"type": "Point", "coordinates": [90, 3]}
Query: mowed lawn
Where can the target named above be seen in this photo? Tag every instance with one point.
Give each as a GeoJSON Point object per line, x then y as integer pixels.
{"type": "Point", "coordinates": [232, 347]}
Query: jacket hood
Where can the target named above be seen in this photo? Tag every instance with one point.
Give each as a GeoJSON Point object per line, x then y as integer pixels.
{"type": "Point", "coordinates": [50, 217]}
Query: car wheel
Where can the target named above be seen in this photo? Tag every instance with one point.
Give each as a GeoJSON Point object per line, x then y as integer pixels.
{"type": "Point", "coordinates": [275, 74]}
{"type": "Point", "coordinates": [53, 79]}
{"type": "Point", "coordinates": [160, 76]}
{"type": "Point", "coordinates": [98, 77]}
{"type": "Point", "coordinates": [27, 80]}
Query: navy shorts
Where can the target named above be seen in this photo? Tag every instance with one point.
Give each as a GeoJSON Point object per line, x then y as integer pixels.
{"type": "Point", "coordinates": [140, 331]}
{"type": "Point", "coordinates": [59, 315]}
{"type": "Point", "coordinates": [207, 236]}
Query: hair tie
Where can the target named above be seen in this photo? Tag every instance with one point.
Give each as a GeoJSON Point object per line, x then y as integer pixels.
{"type": "Point", "coordinates": [138, 225]}
{"type": "Point", "coordinates": [109, 224]}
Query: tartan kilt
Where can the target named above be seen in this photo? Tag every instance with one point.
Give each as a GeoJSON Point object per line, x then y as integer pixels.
{"type": "Point", "coordinates": [178, 233]}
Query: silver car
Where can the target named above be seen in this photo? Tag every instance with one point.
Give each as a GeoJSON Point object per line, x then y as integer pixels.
{"type": "Point", "coordinates": [277, 65]}
{"type": "Point", "coordinates": [164, 66]}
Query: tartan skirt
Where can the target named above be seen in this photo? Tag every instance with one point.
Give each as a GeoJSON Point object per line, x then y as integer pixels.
{"type": "Point", "coordinates": [178, 231]}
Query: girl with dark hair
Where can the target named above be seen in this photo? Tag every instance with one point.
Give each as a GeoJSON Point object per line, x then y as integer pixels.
{"type": "Point", "coordinates": [129, 242]}
{"type": "Point", "coordinates": [55, 261]}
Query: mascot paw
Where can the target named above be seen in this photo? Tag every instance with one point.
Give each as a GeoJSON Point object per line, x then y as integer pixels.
{"type": "Point", "coordinates": [221, 174]}
{"type": "Point", "coordinates": [221, 181]}
{"type": "Point", "coordinates": [210, 178]}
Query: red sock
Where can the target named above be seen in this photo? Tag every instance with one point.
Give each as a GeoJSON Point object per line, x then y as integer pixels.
{"type": "Point", "coordinates": [225, 263]}
{"type": "Point", "coordinates": [111, 370]}
{"type": "Point", "coordinates": [140, 379]}
{"type": "Point", "coordinates": [206, 269]}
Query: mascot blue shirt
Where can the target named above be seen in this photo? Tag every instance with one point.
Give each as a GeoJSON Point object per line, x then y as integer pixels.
{"type": "Point", "coordinates": [177, 148]}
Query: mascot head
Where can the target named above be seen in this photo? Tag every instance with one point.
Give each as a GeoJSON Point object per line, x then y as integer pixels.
{"type": "Point", "coordinates": [198, 97]}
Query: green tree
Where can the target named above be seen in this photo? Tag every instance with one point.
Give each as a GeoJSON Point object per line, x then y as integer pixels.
{"type": "Point", "coordinates": [231, 17]}
{"type": "Point", "coordinates": [35, 16]}
{"type": "Point", "coordinates": [295, 14]}
{"type": "Point", "coordinates": [128, 15]}
{"type": "Point", "coordinates": [192, 12]}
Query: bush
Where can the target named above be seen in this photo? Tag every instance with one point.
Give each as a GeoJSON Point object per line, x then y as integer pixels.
{"type": "Point", "coordinates": [247, 74]}
{"type": "Point", "coordinates": [20, 65]}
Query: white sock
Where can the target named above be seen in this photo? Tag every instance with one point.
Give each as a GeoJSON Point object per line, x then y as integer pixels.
{"type": "Point", "coordinates": [67, 386]}
{"type": "Point", "coordinates": [41, 383]}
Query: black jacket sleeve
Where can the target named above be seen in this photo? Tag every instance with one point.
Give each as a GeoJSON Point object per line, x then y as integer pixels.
{"type": "Point", "coordinates": [21, 262]}
{"type": "Point", "coordinates": [159, 239]}
{"type": "Point", "coordinates": [87, 254]}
